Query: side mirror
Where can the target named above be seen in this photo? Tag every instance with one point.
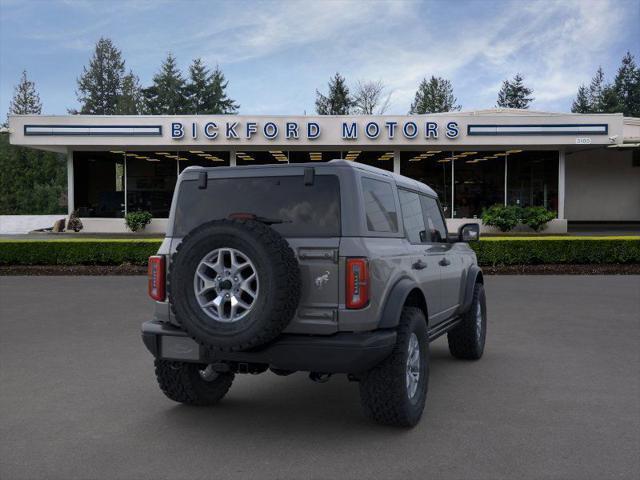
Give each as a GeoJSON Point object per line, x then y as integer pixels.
{"type": "Point", "coordinates": [469, 232]}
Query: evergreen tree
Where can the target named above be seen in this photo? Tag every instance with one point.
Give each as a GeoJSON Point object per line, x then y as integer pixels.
{"type": "Point", "coordinates": [218, 100]}
{"type": "Point", "coordinates": [514, 94]}
{"type": "Point", "coordinates": [196, 89]}
{"type": "Point", "coordinates": [31, 181]}
{"type": "Point", "coordinates": [25, 99]}
{"type": "Point", "coordinates": [130, 101]}
{"type": "Point", "coordinates": [100, 85]}
{"type": "Point", "coordinates": [581, 104]}
{"type": "Point", "coordinates": [206, 92]}
{"type": "Point", "coordinates": [596, 91]}
{"type": "Point", "coordinates": [167, 95]}
{"type": "Point", "coordinates": [433, 96]}
{"type": "Point", "coordinates": [338, 101]}
{"type": "Point", "coordinates": [627, 86]}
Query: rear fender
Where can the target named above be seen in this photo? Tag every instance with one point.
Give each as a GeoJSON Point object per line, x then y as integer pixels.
{"type": "Point", "coordinates": [397, 299]}
{"type": "Point", "coordinates": [474, 275]}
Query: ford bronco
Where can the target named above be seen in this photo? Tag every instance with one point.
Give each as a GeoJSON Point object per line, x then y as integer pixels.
{"type": "Point", "coordinates": [326, 268]}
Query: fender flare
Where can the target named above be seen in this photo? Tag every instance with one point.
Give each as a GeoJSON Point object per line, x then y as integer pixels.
{"type": "Point", "coordinates": [394, 303]}
{"type": "Point", "coordinates": [474, 275]}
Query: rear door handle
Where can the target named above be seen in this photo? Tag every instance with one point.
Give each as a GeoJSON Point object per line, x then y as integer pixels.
{"type": "Point", "coordinates": [444, 262]}
{"type": "Point", "coordinates": [419, 265]}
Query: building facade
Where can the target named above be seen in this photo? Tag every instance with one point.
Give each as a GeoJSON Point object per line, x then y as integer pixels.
{"type": "Point", "coordinates": [583, 167]}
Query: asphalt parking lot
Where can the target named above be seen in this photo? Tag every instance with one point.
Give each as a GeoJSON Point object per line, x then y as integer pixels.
{"type": "Point", "coordinates": [557, 395]}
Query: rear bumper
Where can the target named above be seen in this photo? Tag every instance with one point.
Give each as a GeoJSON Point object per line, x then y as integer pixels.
{"type": "Point", "coordinates": [338, 353]}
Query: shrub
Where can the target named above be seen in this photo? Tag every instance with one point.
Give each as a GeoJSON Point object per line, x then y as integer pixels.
{"type": "Point", "coordinates": [503, 217]}
{"type": "Point", "coordinates": [75, 223]}
{"type": "Point", "coordinates": [490, 251]}
{"type": "Point", "coordinates": [137, 220]}
{"type": "Point", "coordinates": [77, 252]}
{"type": "Point", "coordinates": [536, 217]}
{"type": "Point", "coordinates": [567, 250]}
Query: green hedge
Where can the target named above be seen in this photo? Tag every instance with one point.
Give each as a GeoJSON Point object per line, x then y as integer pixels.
{"type": "Point", "coordinates": [490, 251]}
{"type": "Point", "coordinates": [568, 250]}
{"type": "Point", "coordinates": [77, 252]}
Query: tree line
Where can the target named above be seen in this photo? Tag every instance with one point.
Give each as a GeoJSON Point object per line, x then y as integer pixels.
{"type": "Point", "coordinates": [33, 181]}
{"type": "Point", "coordinates": [106, 88]}
{"type": "Point", "coordinates": [435, 95]}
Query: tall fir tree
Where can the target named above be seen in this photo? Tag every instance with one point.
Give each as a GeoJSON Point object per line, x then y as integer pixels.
{"type": "Point", "coordinates": [433, 96]}
{"type": "Point", "coordinates": [596, 91]}
{"type": "Point", "coordinates": [100, 85]}
{"type": "Point", "coordinates": [627, 86]}
{"type": "Point", "coordinates": [581, 104]}
{"type": "Point", "coordinates": [196, 88]}
{"type": "Point", "coordinates": [167, 94]}
{"type": "Point", "coordinates": [338, 101]}
{"type": "Point", "coordinates": [25, 99]}
{"type": "Point", "coordinates": [31, 181]}
{"type": "Point", "coordinates": [130, 101]}
{"type": "Point", "coordinates": [514, 94]}
{"type": "Point", "coordinates": [219, 102]}
{"type": "Point", "coordinates": [206, 92]}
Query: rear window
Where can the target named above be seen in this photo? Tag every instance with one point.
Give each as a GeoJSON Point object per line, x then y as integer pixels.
{"type": "Point", "coordinates": [305, 210]}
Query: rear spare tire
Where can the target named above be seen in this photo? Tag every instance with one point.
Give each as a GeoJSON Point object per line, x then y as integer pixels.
{"type": "Point", "coordinates": [234, 284]}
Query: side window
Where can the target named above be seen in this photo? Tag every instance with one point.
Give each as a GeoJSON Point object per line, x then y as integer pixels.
{"type": "Point", "coordinates": [412, 216]}
{"type": "Point", "coordinates": [380, 206]}
{"type": "Point", "coordinates": [436, 229]}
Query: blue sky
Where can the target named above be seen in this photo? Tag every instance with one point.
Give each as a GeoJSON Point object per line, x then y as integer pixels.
{"type": "Point", "coordinates": [275, 54]}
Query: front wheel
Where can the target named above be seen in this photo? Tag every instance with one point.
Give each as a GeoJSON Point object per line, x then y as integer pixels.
{"type": "Point", "coordinates": [191, 383]}
{"type": "Point", "coordinates": [466, 340]}
{"type": "Point", "coordinates": [394, 392]}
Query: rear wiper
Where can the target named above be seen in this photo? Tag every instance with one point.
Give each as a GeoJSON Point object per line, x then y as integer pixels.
{"type": "Point", "coordinates": [251, 216]}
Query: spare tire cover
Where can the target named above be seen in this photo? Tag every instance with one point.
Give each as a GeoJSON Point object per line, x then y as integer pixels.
{"type": "Point", "coordinates": [234, 284]}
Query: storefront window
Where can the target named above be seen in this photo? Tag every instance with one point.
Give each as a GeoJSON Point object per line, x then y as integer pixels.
{"type": "Point", "coordinates": [151, 179]}
{"type": "Point", "coordinates": [99, 184]}
{"type": "Point", "coordinates": [313, 156]}
{"type": "Point", "coordinates": [478, 182]}
{"type": "Point", "coordinates": [201, 158]}
{"type": "Point", "coordinates": [532, 179]}
{"type": "Point", "coordinates": [380, 159]}
{"type": "Point", "coordinates": [262, 157]}
{"type": "Point", "coordinates": [433, 168]}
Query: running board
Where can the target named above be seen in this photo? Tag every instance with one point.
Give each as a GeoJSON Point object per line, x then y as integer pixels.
{"type": "Point", "coordinates": [442, 328]}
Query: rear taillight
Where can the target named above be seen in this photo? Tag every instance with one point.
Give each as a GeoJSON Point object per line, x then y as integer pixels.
{"type": "Point", "coordinates": [156, 277]}
{"type": "Point", "coordinates": [357, 282]}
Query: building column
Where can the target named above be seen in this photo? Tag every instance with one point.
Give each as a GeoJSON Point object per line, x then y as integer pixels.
{"type": "Point", "coordinates": [506, 185]}
{"type": "Point", "coordinates": [71, 204]}
{"type": "Point", "coordinates": [453, 183]}
{"type": "Point", "coordinates": [561, 182]}
{"type": "Point", "coordinates": [232, 158]}
{"type": "Point", "coordinates": [126, 206]}
{"type": "Point", "coordinates": [396, 161]}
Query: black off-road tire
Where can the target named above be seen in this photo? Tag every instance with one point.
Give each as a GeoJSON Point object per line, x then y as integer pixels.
{"type": "Point", "coordinates": [183, 383]}
{"type": "Point", "coordinates": [466, 340]}
{"type": "Point", "coordinates": [383, 390]}
{"type": "Point", "coordinates": [278, 272]}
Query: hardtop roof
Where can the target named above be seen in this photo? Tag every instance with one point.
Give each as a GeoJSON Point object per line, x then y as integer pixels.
{"type": "Point", "coordinates": [400, 180]}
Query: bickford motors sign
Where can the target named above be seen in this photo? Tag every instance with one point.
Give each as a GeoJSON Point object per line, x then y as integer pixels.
{"type": "Point", "coordinates": [294, 130]}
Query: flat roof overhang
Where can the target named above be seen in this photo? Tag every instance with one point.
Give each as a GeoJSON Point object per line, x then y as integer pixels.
{"type": "Point", "coordinates": [482, 130]}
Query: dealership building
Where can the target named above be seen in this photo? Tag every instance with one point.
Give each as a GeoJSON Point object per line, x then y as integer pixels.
{"type": "Point", "coordinates": [586, 168]}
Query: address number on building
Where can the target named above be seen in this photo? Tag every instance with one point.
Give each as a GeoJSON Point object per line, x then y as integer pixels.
{"type": "Point", "coordinates": [583, 141]}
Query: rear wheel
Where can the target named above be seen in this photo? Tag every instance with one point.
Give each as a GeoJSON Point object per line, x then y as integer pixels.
{"type": "Point", "coordinates": [466, 340]}
{"type": "Point", "coordinates": [394, 392]}
{"type": "Point", "coordinates": [191, 383]}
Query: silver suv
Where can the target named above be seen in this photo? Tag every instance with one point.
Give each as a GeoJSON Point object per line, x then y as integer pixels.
{"type": "Point", "coordinates": [326, 268]}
